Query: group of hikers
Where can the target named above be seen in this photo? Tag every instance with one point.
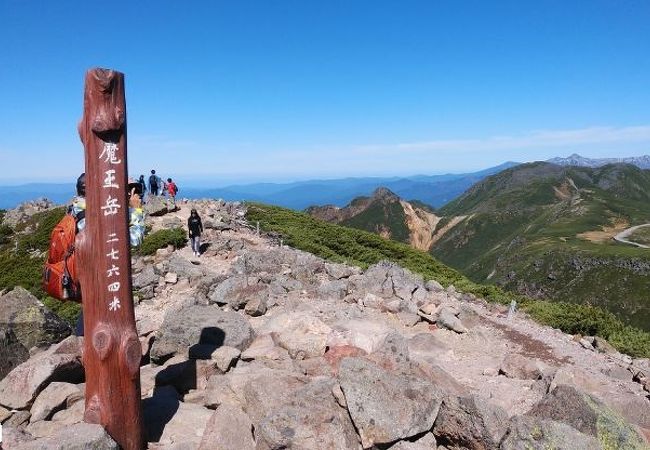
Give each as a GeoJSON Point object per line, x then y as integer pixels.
{"type": "Point", "coordinates": [156, 187]}
{"type": "Point", "coordinates": [60, 275]}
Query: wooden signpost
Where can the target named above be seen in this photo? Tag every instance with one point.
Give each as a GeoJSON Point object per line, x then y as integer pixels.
{"type": "Point", "coordinates": [112, 350]}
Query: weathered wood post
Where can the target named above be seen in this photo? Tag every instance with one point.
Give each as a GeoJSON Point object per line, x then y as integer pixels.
{"type": "Point", "coordinates": [112, 350]}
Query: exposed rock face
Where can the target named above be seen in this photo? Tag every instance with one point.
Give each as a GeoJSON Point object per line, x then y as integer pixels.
{"type": "Point", "coordinates": [26, 210]}
{"type": "Point", "coordinates": [25, 323]}
{"type": "Point", "coordinates": [229, 427]}
{"type": "Point", "coordinates": [385, 406]}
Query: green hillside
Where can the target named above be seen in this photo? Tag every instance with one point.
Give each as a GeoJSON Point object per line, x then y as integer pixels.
{"type": "Point", "coordinates": [546, 231]}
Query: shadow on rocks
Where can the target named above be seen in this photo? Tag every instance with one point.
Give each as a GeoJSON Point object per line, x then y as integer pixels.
{"type": "Point", "coordinates": [211, 339]}
{"type": "Point", "coordinates": [158, 410]}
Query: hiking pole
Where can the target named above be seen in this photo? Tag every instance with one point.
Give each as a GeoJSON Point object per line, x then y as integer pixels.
{"type": "Point", "coordinates": [112, 351]}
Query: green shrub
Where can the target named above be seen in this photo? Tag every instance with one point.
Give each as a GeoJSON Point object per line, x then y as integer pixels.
{"type": "Point", "coordinates": [68, 311]}
{"type": "Point", "coordinates": [43, 223]}
{"type": "Point", "coordinates": [161, 239]}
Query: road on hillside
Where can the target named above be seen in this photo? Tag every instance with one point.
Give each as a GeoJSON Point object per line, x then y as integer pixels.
{"type": "Point", "coordinates": [622, 236]}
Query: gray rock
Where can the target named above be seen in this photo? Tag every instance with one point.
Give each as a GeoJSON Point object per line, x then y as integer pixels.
{"type": "Point", "coordinates": [81, 436]}
{"type": "Point", "coordinates": [55, 396]}
{"type": "Point", "coordinates": [155, 206]}
{"type": "Point", "coordinates": [433, 286]}
{"type": "Point", "coordinates": [237, 290]}
{"type": "Point", "coordinates": [340, 271]}
{"type": "Point", "coordinates": [225, 357]}
{"type": "Point", "coordinates": [268, 390]}
{"type": "Point", "coordinates": [387, 406]}
{"type": "Point", "coordinates": [447, 319]}
{"type": "Point", "coordinates": [228, 428]}
{"type": "Point", "coordinates": [470, 422]}
{"type": "Point", "coordinates": [526, 433]}
{"type": "Point", "coordinates": [199, 325]}
{"type": "Point", "coordinates": [61, 362]}
{"type": "Point", "coordinates": [172, 222]}
{"type": "Point", "coordinates": [588, 415]}
{"type": "Point", "coordinates": [184, 268]}
{"type": "Point", "coordinates": [256, 306]}
{"type": "Point", "coordinates": [25, 323]}
{"type": "Point", "coordinates": [145, 279]}
{"type": "Point", "coordinates": [302, 335]}
{"type": "Point", "coordinates": [311, 420]}
{"type": "Point", "coordinates": [336, 289]}
{"type": "Point", "coordinates": [426, 442]}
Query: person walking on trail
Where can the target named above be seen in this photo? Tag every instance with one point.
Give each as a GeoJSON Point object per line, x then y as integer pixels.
{"type": "Point", "coordinates": [155, 183]}
{"type": "Point", "coordinates": [172, 190]}
{"type": "Point", "coordinates": [195, 228]}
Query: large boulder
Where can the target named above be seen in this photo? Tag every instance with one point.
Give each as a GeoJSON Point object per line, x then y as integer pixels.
{"type": "Point", "coordinates": [25, 323]}
{"type": "Point", "coordinates": [470, 422]}
{"type": "Point", "coordinates": [527, 433]}
{"type": "Point", "coordinates": [588, 415]}
{"type": "Point", "coordinates": [229, 427]}
{"type": "Point", "coordinates": [310, 420]}
{"type": "Point", "coordinates": [81, 436]}
{"type": "Point", "coordinates": [520, 367]}
{"type": "Point", "coordinates": [155, 206]}
{"type": "Point", "coordinates": [387, 406]}
{"type": "Point", "coordinates": [55, 396]}
{"type": "Point", "coordinates": [204, 328]}
{"type": "Point", "coordinates": [61, 362]}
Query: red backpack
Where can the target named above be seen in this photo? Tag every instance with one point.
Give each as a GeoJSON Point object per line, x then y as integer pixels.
{"type": "Point", "coordinates": [59, 274]}
{"type": "Point", "coordinates": [172, 189]}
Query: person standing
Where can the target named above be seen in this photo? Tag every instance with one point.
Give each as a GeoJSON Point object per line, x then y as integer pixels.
{"type": "Point", "coordinates": [195, 228]}
{"type": "Point", "coordinates": [144, 187]}
{"type": "Point", "coordinates": [172, 190]}
{"type": "Point", "coordinates": [153, 183]}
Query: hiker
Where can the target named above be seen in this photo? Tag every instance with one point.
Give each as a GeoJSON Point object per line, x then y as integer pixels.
{"type": "Point", "coordinates": [154, 183]}
{"type": "Point", "coordinates": [60, 277]}
{"type": "Point", "coordinates": [172, 190]}
{"type": "Point", "coordinates": [144, 187]}
{"type": "Point", "coordinates": [195, 228]}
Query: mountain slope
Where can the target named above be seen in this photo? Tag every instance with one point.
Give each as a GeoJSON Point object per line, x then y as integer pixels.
{"type": "Point", "coordinates": [386, 214]}
{"type": "Point", "coordinates": [547, 231]}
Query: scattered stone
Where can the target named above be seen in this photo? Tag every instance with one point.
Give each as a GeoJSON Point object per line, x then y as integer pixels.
{"type": "Point", "coordinates": [386, 406]}
{"type": "Point", "coordinates": [145, 279]}
{"type": "Point", "coordinates": [155, 206]}
{"type": "Point", "coordinates": [585, 343]}
{"type": "Point", "coordinates": [426, 442]}
{"type": "Point", "coordinates": [433, 286]}
{"type": "Point", "coordinates": [225, 357]}
{"type": "Point", "coordinates": [256, 306]}
{"type": "Point", "coordinates": [447, 319]}
{"type": "Point", "coordinates": [4, 414]}
{"type": "Point", "coordinates": [228, 428]}
{"type": "Point", "coordinates": [202, 328]}
{"type": "Point", "coordinates": [602, 346]}
{"type": "Point", "coordinates": [171, 278]}
{"type": "Point", "coordinates": [517, 366]}
{"type": "Point", "coordinates": [301, 334]}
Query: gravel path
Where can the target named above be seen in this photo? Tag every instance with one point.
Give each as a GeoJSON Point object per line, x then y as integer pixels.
{"type": "Point", "coordinates": [622, 236]}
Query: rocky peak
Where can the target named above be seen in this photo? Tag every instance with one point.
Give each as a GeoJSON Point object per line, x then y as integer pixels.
{"type": "Point", "coordinates": [259, 345]}
{"type": "Point", "coordinates": [385, 195]}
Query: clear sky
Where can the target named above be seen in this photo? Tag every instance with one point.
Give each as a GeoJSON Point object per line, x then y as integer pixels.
{"type": "Point", "coordinates": [243, 91]}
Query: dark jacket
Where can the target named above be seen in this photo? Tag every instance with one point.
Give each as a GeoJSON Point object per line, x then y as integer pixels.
{"type": "Point", "coordinates": [195, 226]}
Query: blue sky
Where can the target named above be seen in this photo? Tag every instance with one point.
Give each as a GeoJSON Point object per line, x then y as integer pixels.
{"type": "Point", "coordinates": [280, 90]}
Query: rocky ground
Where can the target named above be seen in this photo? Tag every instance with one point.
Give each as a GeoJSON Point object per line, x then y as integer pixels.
{"type": "Point", "coordinates": [258, 346]}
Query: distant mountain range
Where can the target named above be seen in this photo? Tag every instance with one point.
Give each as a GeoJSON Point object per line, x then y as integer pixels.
{"type": "Point", "coordinates": [434, 190]}
{"type": "Point", "coordinates": [642, 162]}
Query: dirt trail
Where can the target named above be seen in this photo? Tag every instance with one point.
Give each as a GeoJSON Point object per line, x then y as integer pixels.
{"type": "Point", "coordinates": [622, 237]}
